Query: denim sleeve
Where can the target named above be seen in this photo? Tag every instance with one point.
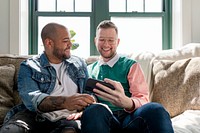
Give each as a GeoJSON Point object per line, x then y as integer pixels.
{"type": "Point", "coordinates": [86, 72]}
{"type": "Point", "coordinates": [28, 88]}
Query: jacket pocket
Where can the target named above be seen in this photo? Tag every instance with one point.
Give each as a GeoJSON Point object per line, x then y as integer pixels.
{"type": "Point", "coordinates": [43, 80]}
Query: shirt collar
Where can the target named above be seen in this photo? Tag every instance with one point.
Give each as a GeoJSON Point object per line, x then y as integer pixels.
{"type": "Point", "coordinates": [111, 62]}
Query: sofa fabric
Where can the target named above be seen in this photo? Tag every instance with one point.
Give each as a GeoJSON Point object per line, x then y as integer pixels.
{"type": "Point", "coordinates": [177, 85]}
{"type": "Point", "coordinates": [147, 58]}
{"type": "Point", "coordinates": [6, 89]}
{"type": "Point", "coordinates": [187, 122]}
{"type": "Point", "coordinates": [9, 66]}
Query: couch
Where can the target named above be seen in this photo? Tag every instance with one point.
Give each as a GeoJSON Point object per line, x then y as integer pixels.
{"type": "Point", "coordinates": [173, 77]}
{"type": "Point", "coordinates": [9, 66]}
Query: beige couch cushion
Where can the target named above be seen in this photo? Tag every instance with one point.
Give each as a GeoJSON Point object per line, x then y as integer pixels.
{"type": "Point", "coordinates": [15, 60]}
{"type": "Point", "coordinates": [176, 84]}
{"type": "Point", "coordinates": [6, 89]}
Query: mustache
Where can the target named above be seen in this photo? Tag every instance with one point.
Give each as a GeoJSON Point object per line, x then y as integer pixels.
{"type": "Point", "coordinates": [68, 47]}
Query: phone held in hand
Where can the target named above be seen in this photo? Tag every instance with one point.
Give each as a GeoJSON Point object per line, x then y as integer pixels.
{"type": "Point", "coordinates": [91, 84]}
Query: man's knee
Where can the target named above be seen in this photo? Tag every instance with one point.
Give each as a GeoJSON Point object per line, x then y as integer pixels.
{"type": "Point", "coordinates": [95, 113]}
{"type": "Point", "coordinates": [69, 130]}
{"type": "Point", "coordinates": [15, 127]}
{"type": "Point", "coordinates": [97, 109]}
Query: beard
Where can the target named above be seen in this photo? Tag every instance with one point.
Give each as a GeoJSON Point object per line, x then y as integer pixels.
{"type": "Point", "coordinates": [61, 54]}
{"type": "Point", "coordinates": [107, 55]}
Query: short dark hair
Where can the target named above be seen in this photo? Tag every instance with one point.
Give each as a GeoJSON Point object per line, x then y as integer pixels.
{"type": "Point", "coordinates": [107, 24]}
{"type": "Point", "coordinates": [50, 31]}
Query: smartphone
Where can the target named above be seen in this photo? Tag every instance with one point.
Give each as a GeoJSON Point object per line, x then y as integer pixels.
{"type": "Point", "coordinates": [91, 84]}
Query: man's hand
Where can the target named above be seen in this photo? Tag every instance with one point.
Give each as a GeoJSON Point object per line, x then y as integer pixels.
{"type": "Point", "coordinates": [74, 116]}
{"type": "Point", "coordinates": [117, 97]}
{"type": "Point", "coordinates": [74, 102]}
{"type": "Point", "coordinates": [78, 101]}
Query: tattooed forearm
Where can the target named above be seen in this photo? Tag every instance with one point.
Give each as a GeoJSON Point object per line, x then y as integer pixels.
{"type": "Point", "coordinates": [51, 104]}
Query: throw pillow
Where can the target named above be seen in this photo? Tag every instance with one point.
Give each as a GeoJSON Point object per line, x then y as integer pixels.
{"type": "Point", "coordinates": [176, 84]}
{"type": "Point", "coordinates": [6, 89]}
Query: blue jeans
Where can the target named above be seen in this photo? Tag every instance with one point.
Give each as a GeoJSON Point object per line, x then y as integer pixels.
{"type": "Point", "coordinates": [150, 118]}
{"type": "Point", "coordinates": [29, 122]}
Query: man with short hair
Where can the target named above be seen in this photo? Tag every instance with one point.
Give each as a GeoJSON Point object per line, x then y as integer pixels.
{"type": "Point", "coordinates": [126, 109]}
{"type": "Point", "coordinates": [50, 86]}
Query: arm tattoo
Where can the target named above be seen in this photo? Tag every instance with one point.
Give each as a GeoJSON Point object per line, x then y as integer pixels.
{"type": "Point", "coordinates": [51, 103]}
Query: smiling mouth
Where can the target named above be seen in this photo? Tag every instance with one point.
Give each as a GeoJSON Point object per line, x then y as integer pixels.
{"type": "Point", "coordinates": [106, 49]}
{"type": "Point", "coordinates": [68, 49]}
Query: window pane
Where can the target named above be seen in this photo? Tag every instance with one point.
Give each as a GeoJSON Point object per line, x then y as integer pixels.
{"type": "Point", "coordinates": [139, 34]}
{"type": "Point", "coordinates": [81, 25]}
{"type": "Point", "coordinates": [65, 5]}
{"type": "Point", "coordinates": [83, 6]}
{"type": "Point", "coordinates": [135, 5]}
{"type": "Point", "coordinates": [117, 6]}
{"type": "Point", "coordinates": [153, 5]}
{"type": "Point", "coordinates": [42, 5]}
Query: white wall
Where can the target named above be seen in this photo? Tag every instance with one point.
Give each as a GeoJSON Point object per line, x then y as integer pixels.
{"type": "Point", "coordinates": [14, 24]}
{"type": "Point", "coordinates": [186, 19]}
{"type": "Point", "coordinates": [4, 26]}
{"type": "Point", "coordinates": [181, 23]}
{"type": "Point", "coordinates": [195, 21]}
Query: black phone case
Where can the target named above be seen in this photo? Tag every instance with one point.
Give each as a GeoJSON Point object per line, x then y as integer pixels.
{"type": "Point", "coordinates": [91, 84]}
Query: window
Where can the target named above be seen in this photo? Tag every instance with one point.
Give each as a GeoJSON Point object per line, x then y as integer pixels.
{"type": "Point", "coordinates": [144, 25]}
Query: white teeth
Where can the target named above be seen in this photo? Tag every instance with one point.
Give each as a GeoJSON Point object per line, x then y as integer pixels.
{"type": "Point", "coordinates": [106, 49]}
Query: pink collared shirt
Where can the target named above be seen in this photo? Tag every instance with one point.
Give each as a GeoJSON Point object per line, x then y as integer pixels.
{"type": "Point", "coordinates": [138, 86]}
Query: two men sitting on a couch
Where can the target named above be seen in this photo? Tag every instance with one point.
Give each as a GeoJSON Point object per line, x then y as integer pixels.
{"type": "Point", "coordinates": [51, 87]}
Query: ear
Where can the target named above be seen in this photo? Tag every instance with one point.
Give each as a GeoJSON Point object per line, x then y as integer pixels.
{"type": "Point", "coordinates": [95, 41]}
{"type": "Point", "coordinates": [118, 41]}
{"type": "Point", "coordinates": [48, 42]}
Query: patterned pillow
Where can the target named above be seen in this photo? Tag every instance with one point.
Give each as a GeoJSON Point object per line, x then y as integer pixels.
{"type": "Point", "coordinates": [6, 89]}
{"type": "Point", "coordinates": [176, 84]}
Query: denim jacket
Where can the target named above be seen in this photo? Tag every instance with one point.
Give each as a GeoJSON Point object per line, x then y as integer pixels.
{"type": "Point", "coordinates": [37, 78]}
